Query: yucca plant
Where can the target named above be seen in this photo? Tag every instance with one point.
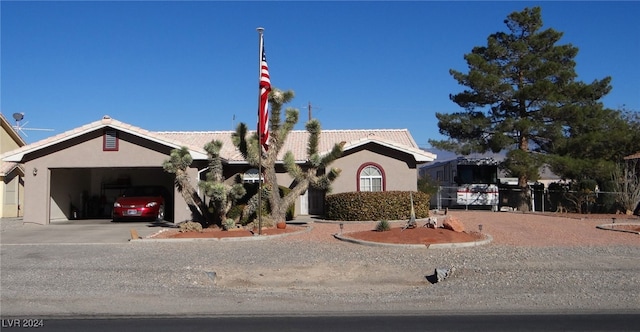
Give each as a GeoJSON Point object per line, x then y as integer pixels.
{"type": "Point", "coordinates": [383, 225]}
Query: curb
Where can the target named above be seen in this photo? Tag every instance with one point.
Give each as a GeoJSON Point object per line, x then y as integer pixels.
{"type": "Point", "coordinates": [488, 239]}
{"type": "Point", "coordinates": [347, 222]}
{"type": "Point", "coordinates": [611, 227]}
{"type": "Point", "coordinates": [226, 239]}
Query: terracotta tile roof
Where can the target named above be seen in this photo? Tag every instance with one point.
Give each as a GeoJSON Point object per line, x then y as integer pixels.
{"type": "Point", "coordinates": [106, 121]}
{"type": "Point", "coordinates": [296, 142]}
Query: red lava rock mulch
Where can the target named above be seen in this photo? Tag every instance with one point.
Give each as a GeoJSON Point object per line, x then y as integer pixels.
{"type": "Point", "coordinates": [418, 235]}
{"type": "Point", "coordinates": [219, 233]}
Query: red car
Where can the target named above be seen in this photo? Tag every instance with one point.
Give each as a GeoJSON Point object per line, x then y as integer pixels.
{"type": "Point", "coordinates": [140, 203]}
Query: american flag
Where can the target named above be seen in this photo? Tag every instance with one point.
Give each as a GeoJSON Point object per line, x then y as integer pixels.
{"type": "Point", "coordinates": [263, 107]}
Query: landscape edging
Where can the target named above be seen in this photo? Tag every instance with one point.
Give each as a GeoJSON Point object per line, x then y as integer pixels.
{"type": "Point", "coordinates": [488, 238]}
{"type": "Point", "coordinates": [255, 237]}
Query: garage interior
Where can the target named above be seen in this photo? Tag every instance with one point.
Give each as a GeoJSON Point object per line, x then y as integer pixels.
{"type": "Point", "coordinates": [89, 193]}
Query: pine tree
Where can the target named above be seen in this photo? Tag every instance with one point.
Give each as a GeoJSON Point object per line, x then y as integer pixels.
{"type": "Point", "coordinates": [522, 94]}
{"type": "Point", "coordinates": [311, 175]}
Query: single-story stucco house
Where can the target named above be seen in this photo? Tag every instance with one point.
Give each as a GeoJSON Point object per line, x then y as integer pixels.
{"type": "Point", "coordinates": [86, 168]}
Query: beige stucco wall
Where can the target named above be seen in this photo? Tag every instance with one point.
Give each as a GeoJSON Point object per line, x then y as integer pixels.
{"type": "Point", "coordinates": [399, 175]}
{"type": "Point", "coordinates": [7, 142]}
{"type": "Point", "coordinates": [84, 152]}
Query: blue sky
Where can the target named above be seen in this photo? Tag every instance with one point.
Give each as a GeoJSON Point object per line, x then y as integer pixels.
{"type": "Point", "coordinates": [193, 66]}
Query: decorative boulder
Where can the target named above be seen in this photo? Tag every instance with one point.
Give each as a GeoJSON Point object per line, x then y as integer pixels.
{"type": "Point", "coordinates": [453, 224]}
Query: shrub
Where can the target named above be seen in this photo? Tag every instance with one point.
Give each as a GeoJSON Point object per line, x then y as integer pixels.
{"type": "Point", "coordinates": [229, 224]}
{"type": "Point", "coordinates": [236, 212]}
{"type": "Point", "coordinates": [382, 226]}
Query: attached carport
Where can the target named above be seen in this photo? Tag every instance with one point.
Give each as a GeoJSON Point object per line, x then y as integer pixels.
{"type": "Point", "coordinates": [89, 193]}
{"type": "Point", "coordinates": [79, 173]}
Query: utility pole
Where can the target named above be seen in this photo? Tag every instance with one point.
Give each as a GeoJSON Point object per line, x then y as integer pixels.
{"type": "Point", "coordinates": [309, 108]}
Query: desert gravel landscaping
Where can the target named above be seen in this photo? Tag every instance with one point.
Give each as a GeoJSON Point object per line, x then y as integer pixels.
{"type": "Point", "coordinates": [535, 263]}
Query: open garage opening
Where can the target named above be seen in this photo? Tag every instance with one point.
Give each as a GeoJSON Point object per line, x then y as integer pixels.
{"type": "Point", "coordinates": [89, 193]}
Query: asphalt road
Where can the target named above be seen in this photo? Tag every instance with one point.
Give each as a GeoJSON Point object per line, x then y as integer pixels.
{"type": "Point", "coordinates": [488, 322]}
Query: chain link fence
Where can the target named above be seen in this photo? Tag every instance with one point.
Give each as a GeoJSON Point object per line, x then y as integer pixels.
{"type": "Point", "coordinates": [541, 200]}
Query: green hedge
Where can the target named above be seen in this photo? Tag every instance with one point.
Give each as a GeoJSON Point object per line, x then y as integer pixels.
{"type": "Point", "coordinates": [384, 205]}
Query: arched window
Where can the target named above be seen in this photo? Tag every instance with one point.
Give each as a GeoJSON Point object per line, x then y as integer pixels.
{"type": "Point", "coordinates": [370, 178]}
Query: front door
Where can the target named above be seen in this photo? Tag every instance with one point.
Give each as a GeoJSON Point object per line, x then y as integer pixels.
{"type": "Point", "coordinates": [316, 201]}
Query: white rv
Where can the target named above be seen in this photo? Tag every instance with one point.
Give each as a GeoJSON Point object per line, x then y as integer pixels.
{"type": "Point", "coordinates": [465, 182]}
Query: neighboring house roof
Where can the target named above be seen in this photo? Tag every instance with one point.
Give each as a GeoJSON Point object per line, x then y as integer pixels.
{"type": "Point", "coordinates": [633, 156]}
{"type": "Point", "coordinates": [297, 141]}
{"type": "Point", "coordinates": [11, 131]}
{"type": "Point", "coordinates": [7, 167]}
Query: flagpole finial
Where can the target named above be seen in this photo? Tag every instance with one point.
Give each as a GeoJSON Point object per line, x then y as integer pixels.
{"type": "Point", "coordinates": [260, 29]}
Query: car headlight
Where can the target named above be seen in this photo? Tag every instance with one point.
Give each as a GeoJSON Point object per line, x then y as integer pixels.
{"type": "Point", "coordinates": [116, 204]}
{"type": "Point", "coordinates": [152, 204]}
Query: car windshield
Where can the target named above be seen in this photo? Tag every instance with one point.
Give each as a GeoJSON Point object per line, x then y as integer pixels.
{"type": "Point", "coordinates": [142, 192]}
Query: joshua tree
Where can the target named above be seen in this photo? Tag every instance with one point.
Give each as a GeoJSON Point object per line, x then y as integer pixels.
{"type": "Point", "coordinates": [221, 195]}
{"type": "Point", "coordinates": [310, 175]}
{"type": "Point", "coordinates": [178, 162]}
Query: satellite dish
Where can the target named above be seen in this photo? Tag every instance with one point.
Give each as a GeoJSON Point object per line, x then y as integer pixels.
{"type": "Point", "coordinates": [21, 128]}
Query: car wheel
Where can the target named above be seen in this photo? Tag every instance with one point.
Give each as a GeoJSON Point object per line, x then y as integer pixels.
{"type": "Point", "coordinates": [160, 217]}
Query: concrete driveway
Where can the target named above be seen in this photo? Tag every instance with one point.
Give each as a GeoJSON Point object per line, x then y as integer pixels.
{"type": "Point", "coordinates": [16, 231]}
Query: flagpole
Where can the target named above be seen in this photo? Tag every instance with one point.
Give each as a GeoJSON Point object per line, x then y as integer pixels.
{"type": "Point", "coordinates": [260, 130]}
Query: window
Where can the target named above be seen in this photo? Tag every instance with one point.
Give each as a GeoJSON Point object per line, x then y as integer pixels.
{"type": "Point", "coordinates": [10, 191]}
{"type": "Point", "coordinates": [110, 140]}
{"type": "Point", "coordinates": [251, 176]}
{"type": "Point", "coordinates": [370, 178]}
